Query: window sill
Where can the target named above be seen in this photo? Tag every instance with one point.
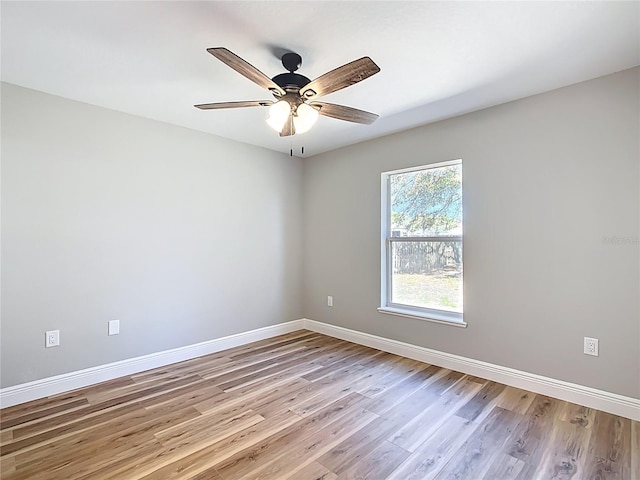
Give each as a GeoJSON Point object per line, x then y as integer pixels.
{"type": "Point", "coordinates": [443, 318]}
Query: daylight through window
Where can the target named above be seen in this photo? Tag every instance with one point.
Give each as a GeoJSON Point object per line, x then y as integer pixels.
{"type": "Point", "coordinates": [422, 242]}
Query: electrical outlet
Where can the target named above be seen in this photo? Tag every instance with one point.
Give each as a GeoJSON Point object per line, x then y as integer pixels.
{"type": "Point", "coordinates": [591, 346]}
{"type": "Point", "coordinates": [114, 327]}
{"type": "Point", "coordinates": [329, 301]}
{"type": "Point", "coordinates": [52, 338]}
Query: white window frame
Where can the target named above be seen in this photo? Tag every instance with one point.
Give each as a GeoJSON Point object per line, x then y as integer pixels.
{"type": "Point", "coordinates": [386, 241]}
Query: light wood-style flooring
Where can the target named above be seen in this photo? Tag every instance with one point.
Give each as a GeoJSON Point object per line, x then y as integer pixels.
{"type": "Point", "coordinates": [308, 407]}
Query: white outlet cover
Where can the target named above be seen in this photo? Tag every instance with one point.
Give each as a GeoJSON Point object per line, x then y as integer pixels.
{"type": "Point", "coordinates": [52, 338]}
{"type": "Point", "coordinates": [114, 327]}
{"type": "Point", "coordinates": [591, 346]}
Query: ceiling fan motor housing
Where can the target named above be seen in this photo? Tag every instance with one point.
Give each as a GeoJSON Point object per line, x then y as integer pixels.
{"type": "Point", "coordinates": [291, 82]}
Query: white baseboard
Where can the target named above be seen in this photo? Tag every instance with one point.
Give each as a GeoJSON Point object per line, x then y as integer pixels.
{"type": "Point", "coordinates": [82, 378]}
{"type": "Point", "coordinates": [589, 397]}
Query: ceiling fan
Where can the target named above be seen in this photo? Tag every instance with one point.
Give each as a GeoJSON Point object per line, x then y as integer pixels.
{"type": "Point", "coordinates": [295, 109]}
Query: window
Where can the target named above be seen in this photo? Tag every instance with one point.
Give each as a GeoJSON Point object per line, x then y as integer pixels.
{"type": "Point", "coordinates": [422, 242]}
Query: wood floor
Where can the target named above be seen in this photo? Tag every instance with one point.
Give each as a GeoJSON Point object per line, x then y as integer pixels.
{"type": "Point", "coordinates": [305, 406]}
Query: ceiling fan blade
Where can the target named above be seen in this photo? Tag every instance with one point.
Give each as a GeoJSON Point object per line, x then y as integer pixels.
{"type": "Point", "coordinates": [246, 69]}
{"type": "Point", "coordinates": [340, 78]}
{"type": "Point", "coordinates": [344, 113]}
{"type": "Point", "coordinates": [289, 129]}
{"type": "Point", "coordinates": [214, 106]}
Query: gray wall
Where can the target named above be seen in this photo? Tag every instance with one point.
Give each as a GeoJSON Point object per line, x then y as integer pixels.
{"type": "Point", "coordinates": [182, 236]}
{"type": "Point", "coordinates": [551, 252]}
{"type": "Point", "coordinates": [186, 237]}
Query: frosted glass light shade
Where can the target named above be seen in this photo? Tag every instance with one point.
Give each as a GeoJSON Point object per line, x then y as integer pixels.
{"type": "Point", "coordinates": [305, 117]}
{"type": "Point", "coordinates": [278, 115]}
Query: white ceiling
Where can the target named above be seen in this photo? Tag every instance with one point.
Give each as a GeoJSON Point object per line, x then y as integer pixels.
{"type": "Point", "coordinates": [437, 59]}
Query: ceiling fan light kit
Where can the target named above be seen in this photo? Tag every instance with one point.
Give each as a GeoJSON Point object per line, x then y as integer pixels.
{"type": "Point", "coordinates": [294, 111]}
{"type": "Point", "coordinates": [304, 118]}
{"type": "Point", "coordinates": [302, 115]}
{"type": "Point", "coordinates": [278, 114]}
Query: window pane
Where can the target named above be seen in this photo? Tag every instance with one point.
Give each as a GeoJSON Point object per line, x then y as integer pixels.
{"type": "Point", "coordinates": [427, 274]}
{"type": "Point", "coordinates": [427, 203]}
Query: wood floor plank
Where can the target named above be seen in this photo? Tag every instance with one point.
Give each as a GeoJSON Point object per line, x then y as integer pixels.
{"type": "Point", "coordinates": [87, 462]}
{"type": "Point", "coordinates": [204, 428]}
{"type": "Point", "coordinates": [312, 357]}
{"type": "Point", "coordinates": [576, 415]}
{"type": "Point", "coordinates": [610, 447]}
{"type": "Point", "coordinates": [127, 466]}
{"type": "Point", "coordinates": [305, 406]}
{"type": "Point", "coordinates": [405, 368]}
{"type": "Point", "coordinates": [425, 423]}
{"type": "Point", "coordinates": [245, 461]}
{"type": "Point", "coordinates": [207, 476]}
{"type": "Point", "coordinates": [6, 436]}
{"type": "Point", "coordinates": [298, 455]}
{"type": "Point", "coordinates": [254, 394]}
{"type": "Point", "coordinates": [429, 458]}
{"type": "Point", "coordinates": [236, 371]}
{"type": "Point", "coordinates": [330, 388]}
{"type": "Point", "coordinates": [82, 450]}
{"type": "Point", "coordinates": [81, 414]}
{"type": "Point", "coordinates": [56, 433]}
{"type": "Point", "coordinates": [41, 414]}
{"type": "Point", "coordinates": [348, 452]}
{"type": "Point", "coordinates": [635, 450]}
{"type": "Point", "coordinates": [567, 448]}
{"type": "Point", "coordinates": [136, 390]}
{"type": "Point", "coordinates": [41, 404]}
{"type": "Point", "coordinates": [86, 392]}
{"type": "Point", "coordinates": [516, 400]}
{"type": "Point", "coordinates": [482, 448]}
{"type": "Point", "coordinates": [324, 396]}
{"type": "Point", "coordinates": [428, 394]}
{"type": "Point", "coordinates": [7, 466]}
{"type": "Point", "coordinates": [238, 362]}
{"type": "Point", "coordinates": [270, 344]}
{"type": "Point", "coordinates": [392, 397]}
{"type": "Point", "coordinates": [505, 467]}
{"type": "Point", "coordinates": [286, 398]}
{"type": "Point", "coordinates": [356, 359]}
{"type": "Point", "coordinates": [480, 402]}
{"type": "Point", "coordinates": [175, 447]}
{"type": "Point", "coordinates": [312, 471]}
{"type": "Point", "coordinates": [203, 461]}
{"type": "Point", "coordinates": [188, 396]}
{"type": "Point", "coordinates": [530, 436]}
{"type": "Point", "coordinates": [383, 460]}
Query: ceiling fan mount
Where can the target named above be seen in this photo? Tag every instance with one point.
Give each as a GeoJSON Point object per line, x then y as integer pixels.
{"type": "Point", "coordinates": [291, 61]}
{"type": "Point", "coordinates": [296, 108]}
